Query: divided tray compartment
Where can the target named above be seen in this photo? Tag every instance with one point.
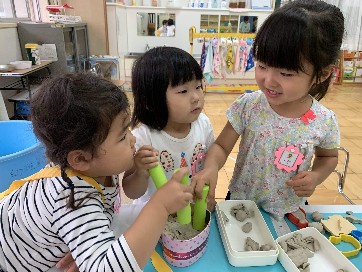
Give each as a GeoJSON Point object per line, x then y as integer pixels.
{"type": "Point", "coordinates": [234, 238]}
{"type": "Point", "coordinates": [328, 258]}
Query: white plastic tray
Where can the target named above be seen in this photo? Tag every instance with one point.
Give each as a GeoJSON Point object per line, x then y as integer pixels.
{"type": "Point", "coordinates": [328, 258]}
{"type": "Point", "coordinates": [234, 238]}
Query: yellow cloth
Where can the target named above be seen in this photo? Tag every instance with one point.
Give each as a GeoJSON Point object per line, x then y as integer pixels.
{"type": "Point", "coordinates": [50, 172]}
{"type": "Point", "coordinates": [158, 263]}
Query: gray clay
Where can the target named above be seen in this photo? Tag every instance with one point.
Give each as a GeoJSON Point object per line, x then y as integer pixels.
{"type": "Point", "coordinates": [299, 250]}
{"type": "Point", "coordinates": [299, 256]}
{"type": "Point", "coordinates": [304, 267]}
{"type": "Point", "coordinates": [247, 227]}
{"type": "Point", "coordinates": [241, 215]}
{"type": "Point", "coordinates": [317, 216]}
{"type": "Point", "coordinates": [353, 219]}
{"type": "Point", "coordinates": [240, 212]}
{"type": "Point", "coordinates": [251, 245]}
{"type": "Point", "coordinates": [178, 231]}
{"type": "Point", "coordinates": [317, 225]}
{"type": "Point", "coordinates": [266, 248]}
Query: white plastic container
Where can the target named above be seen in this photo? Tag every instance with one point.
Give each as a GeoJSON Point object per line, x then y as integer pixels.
{"type": "Point", "coordinates": [234, 238]}
{"type": "Point", "coordinates": [328, 258]}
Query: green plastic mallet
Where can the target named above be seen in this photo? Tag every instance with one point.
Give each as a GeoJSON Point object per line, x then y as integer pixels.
{"type": "Point", "coordinates": [198, 220]}
{"type": "Point", "coordinates": [184, 215]}
{"type": "Point", "coordinates": [158, 176]}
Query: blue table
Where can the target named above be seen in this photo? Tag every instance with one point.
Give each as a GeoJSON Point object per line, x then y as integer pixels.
{"type": "Point", "coordinates": [215, 259]}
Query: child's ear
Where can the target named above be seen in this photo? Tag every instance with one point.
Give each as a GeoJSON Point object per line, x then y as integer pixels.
{"type": "Point", "coordinates": [79, 160]}
{"type": "Point", "coordinates": [326, 72]}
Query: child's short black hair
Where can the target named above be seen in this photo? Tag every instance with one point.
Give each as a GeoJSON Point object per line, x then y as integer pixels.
{"type": "Point", "coordinates": [310, 30]}
{"type": "Point", "coordinates": [152, 74]}
{"type": "Point", "coordinates": [170, 22]}
{"type": "Point", "coordinates": [75, 111]}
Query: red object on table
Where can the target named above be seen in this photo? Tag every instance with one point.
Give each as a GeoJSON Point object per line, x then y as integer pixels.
{"type": "Point", "coordinates": [296, 220]}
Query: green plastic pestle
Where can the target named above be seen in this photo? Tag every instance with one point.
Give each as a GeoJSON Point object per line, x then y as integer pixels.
{"type": "Point", "coordinates": [198, 220]}
{"type": "Point", "coordinates": [158, 176]}
{"type": "Point", "coordinates": [184, 215]}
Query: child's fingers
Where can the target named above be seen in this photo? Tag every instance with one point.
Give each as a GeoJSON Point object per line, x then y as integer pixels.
{"type": "Point", "coordinates": [193, 185]}
{"type": "Point", "coordinates": [179, 174]}
{"type": "Point", "coordinates": [199, 185]}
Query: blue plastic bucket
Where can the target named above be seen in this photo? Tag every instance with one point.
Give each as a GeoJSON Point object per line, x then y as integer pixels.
{"type": "Point", "coordinates": [21, 153]}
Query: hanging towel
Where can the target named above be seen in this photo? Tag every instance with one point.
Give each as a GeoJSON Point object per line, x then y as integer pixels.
{"type": "Point", "coordinates": [229, 56]}
{"type": "Point", "coordinates": [216, 59]}
{"type": "Point", "coordinates": [208, 62]}
{"type": "Point", "coordinates": [250, 61]}
{"type": "Point", "coordinates": [243, 55]}
{"type": "Point", "coordinates": [203, 56]}
{"type": "Point", "coordinates": [223, 54]}
{"type": "Point", "coordinates": [237, 56]}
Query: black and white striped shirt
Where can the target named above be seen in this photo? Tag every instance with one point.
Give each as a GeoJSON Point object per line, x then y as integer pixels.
{"type": "Point", "coordinates": [37, 229]}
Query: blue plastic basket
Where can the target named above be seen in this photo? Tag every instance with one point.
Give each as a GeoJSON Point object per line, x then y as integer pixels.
{"type": "Point", "coordinates": [21, 154]}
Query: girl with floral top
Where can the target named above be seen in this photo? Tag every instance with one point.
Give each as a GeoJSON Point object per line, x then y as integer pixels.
{"type": "Point", "coordinates": [283, 126]}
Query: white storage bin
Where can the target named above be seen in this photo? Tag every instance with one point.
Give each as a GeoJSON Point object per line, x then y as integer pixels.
{"type": "Point", "coordinates": [234, 238]}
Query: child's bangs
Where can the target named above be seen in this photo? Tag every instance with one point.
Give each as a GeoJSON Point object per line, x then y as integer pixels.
{"type": "Point", "coordinates": [185, 71]}
{"type": "Point", "coordinates": [280, 42]}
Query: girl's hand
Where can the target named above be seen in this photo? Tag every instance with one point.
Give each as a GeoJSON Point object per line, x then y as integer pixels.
{"type": "Point", "coordinates": [145, 158]}
{"type": "Point", "coordinates": [202, 178]}
{"type": "Point", "coordinates": [303, 183]}
{"type": "Point", "coordinates": [174, 196]}
{"type": "Point", "coordinates": [67, 263]}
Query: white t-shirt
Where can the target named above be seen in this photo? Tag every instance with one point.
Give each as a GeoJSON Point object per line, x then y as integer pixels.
{"type": "Point", "coordinates": [171, 31]}
{"type": "Point", "coordinates": [173, 152]}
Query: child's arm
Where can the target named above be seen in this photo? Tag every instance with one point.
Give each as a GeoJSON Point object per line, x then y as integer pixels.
{"type": "Point", "coordinates": [144, 234]}
{"type": "Point", "coordinates": [67, 264]}
{"type": "Point", "coordinates": [86, 232]}
{"type": "Point", "coordinates": [305, 182]}
{"type": "Point", "coordinates": [135, 181]}
{"type": "Point", "coordinates": [215, 160]}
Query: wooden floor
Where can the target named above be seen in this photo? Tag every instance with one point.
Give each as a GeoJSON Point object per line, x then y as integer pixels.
{"type": "Point", "coordinates": [346, 101]}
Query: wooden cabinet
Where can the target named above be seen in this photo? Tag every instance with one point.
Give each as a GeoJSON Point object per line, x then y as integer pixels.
{"type": "Point", "coordinates": [229, 23]}
{"type": "Point", "coordinates": [349, 66]}
{"type": "Point", "coordinates": [209, 23]}
{"type": "Point", "coordinates": [352, 66]}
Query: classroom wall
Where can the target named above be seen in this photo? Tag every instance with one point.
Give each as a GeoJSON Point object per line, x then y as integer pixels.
{"type": "Point", "coordinates": [95, 15]}
{"type": "Point", "coordinates": [9, 51]}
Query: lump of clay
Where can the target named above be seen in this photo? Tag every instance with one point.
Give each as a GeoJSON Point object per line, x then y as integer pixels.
{"type": "Point", "coordinates": [299, 250]}
{"type": "Point", "coordinates": [247, 227]}
{"type": "Point", "coordinates": [241, 215]}
{"type": "Point", "coordinates": [300, 257]}
{"type": "Point", "coordinates": [312, 244]}
{"type": "Point", "coordinates": [266, 248]}
{"type": "Point", "coordinates": [317, 225]}
{"type": "Point", "coordinates": [240, 212]}
{"type": "Point", "coordinates": [353, 219]}
{"type": "Point", "coordinates": [251, 245]}
{"type": "Point", "coordinates": [317, 216]}
{"type": "Point", "coordinates": [178, 231]}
